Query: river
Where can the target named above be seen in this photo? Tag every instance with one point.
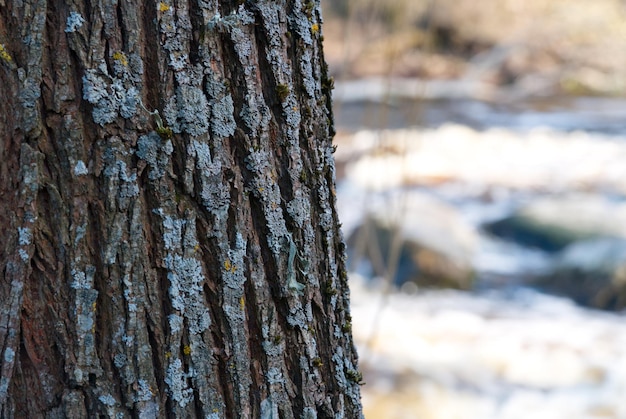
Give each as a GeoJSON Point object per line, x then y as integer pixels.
{"type": "Point", "coordinates": [502, 350]}
{"type": "Point", "coordinates": [380, 104]}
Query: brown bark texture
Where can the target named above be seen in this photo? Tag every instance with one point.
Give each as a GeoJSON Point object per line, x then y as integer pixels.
{"type": "Point", "coordinates": [169, 243]}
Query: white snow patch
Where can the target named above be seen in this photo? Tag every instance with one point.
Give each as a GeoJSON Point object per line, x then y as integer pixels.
{"type": "Point", "coordinates": [458, 354]}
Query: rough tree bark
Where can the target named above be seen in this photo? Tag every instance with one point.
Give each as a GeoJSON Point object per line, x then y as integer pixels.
{"type": "Point", "coordinates": [169, 242]}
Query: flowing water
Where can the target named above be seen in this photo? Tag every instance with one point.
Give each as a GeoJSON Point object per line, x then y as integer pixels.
{"type": "Point", "coordinates": [373, 109]}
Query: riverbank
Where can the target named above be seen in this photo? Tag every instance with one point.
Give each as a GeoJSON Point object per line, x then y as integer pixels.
{"type": "Point", "coordinates": [545, 48]}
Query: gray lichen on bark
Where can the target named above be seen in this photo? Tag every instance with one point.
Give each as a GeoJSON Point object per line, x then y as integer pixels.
{"type": "Point", "coordinates": [190, 267]}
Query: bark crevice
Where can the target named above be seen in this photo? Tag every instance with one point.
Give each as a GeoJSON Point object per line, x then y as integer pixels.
{"type": "Point", "coordinates": [185, 263]}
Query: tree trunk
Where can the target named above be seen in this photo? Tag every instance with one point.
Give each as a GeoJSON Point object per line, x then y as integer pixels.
{"type": "Point", "coordinates": [169, 244]}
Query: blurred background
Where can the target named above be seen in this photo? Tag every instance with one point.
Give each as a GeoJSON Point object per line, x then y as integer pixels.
{"type": "Point", "coordinates": [481, 168]}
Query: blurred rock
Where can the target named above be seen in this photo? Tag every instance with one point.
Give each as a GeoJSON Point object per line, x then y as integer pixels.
{"type": "Point", "coordinates": [591, 272]}
{"type": "Point", "coordinates": [587, 235]}
{"type": "Point", "coordinates": [415, 237]}
{"type": "Point", "coordinates": [554, 223]}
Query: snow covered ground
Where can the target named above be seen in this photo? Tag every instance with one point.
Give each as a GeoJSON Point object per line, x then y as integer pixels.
{"type": "Point", "coordinates": [539, 160]}
{"type": "Point", "coordinates": [450, 354]}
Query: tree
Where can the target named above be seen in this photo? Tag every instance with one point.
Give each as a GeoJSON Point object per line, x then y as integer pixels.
{"type": "Point", "coordinates": [170, 245]}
